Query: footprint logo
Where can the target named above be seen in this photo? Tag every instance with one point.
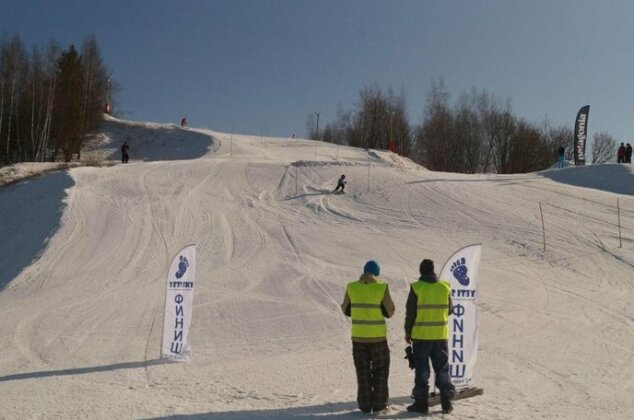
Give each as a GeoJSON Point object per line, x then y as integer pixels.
{"type": "Point", "coordinates": [459, 271]}
{"type": "Point", "coordinates": [182, 267]}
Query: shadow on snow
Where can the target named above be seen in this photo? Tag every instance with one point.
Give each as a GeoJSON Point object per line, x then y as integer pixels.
{"type": "Point", "coordinates": [81, 371]}
{"type": "Point", "coordinates": [31, 214]}
{"type": "Point", "coordinates": [156, 143]}
{"type": "Point", "coordinates": [615, 178]}
{"type": "Point", "coordinates": [342, 410]}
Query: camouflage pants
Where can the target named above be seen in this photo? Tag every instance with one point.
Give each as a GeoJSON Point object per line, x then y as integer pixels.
{"type": "Point", "coordinates": [372, 363]}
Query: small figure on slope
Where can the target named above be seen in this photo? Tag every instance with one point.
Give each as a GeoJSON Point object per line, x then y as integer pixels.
{"type": "Point", "coordinates": [184, 122]}
{"type": "Point", "coordinates": [620, 154]}
{"type": "Point", "coordinates": [560, 155]}
{"type": "Point", "coordinates": [125, 156]}
{"type": "Point", "coordinates": [341, 183]}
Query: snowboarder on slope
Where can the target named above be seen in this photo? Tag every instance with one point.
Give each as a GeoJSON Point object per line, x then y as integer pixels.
{"type": "Point", "coordinates": [184, 122]}
{"type": "Point", "coordinates": [125, 152]}
{"type": "Point", "coordinates": [628, 153]}
{"type": "Point", "coordinates": [368, 303]}
{"type": "Point", "coordinates": [427, 312]}
{"type": "Point", "coordinates": [341, 183]}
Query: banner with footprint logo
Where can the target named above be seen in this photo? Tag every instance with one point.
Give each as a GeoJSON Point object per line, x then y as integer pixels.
{"type": "Point", "coordinates": [179, 298]}
{"type": "Point", "coordinates": [461, 271]}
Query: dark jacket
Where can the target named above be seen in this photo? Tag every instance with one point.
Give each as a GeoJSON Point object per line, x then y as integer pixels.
{"type": "Point", "coordinates": [412, 303]}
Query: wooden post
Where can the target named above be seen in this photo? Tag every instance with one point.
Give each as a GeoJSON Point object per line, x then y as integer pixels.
{"type": "Point", "coordinates": [296, 181]}
{"type": "Point", "coordinates": [543, 226]}
{"type": "Point", "coordinates": [618, 214]}
{"type": "Point", "coordinates": [368, 173]}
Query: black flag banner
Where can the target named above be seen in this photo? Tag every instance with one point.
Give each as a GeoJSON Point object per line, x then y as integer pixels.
{"type": "Point", "coordinates": [581, 134]}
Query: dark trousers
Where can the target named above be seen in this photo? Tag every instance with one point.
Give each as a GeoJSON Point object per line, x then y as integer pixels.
{"type": "Point", "coordinates": [372, 363]}
{"type": "Point", "coordinates": [437, 351]}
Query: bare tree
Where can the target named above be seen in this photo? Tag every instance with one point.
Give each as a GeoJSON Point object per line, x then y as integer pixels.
{"type": "Point", "coordinates": [13, 62]}
{"type": "Point", "coordinates": [337, 131]}
{"type": "Point", "coordinates": [603, 147]}
{"type": "Point", "coordinates": [370, 123]}
{"type": "Point", "coordinates": [68, 101]}
{"type": "Point", "coordinates": [555, 137]}
{"type": "Point", "coordinates": [528, 152]}
{"type": "Point", "coordinates": [50, 95]}
{"type": "Point", "coordinates": [400, 130]}
{"type": "Point", "coordinates": [94, 91]}
{"type": "Point", "coordinates": [498, 124]}
{"type": "Point", "coordinates": [434, 136]}
{"type": "Point", "coordinates": [468, 132]}
{"type": "Point", "coordinates": [311, 126]}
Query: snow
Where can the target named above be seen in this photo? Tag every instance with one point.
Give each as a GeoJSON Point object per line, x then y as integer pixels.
{"type": "Point", "coordinates": [85, 250]}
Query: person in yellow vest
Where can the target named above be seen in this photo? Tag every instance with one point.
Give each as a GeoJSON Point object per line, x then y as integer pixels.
{"type": "Point", "coordinates": [368, 303]}
{"type": "Point", "coordinates": [427, 312]}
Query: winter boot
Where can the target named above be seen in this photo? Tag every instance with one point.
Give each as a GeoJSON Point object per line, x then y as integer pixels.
{"type": "Point", "coordinates": [420, 405]}
{"type": "Point", "coordinates": [381, 411]}
{"type": "Point", "coordinates": [445, 403]}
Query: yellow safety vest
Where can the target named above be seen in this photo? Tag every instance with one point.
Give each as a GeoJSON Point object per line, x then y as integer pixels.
{"type": "Point", "coordinates": [431, 310]}
{"type": "Point", "coordinates": [365, 309]}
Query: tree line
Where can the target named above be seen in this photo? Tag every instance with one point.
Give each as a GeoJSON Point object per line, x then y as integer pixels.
{"type": "Point", "coordinates": [51, 100]}
{"type": "Point", "coordinates": [477, 134]}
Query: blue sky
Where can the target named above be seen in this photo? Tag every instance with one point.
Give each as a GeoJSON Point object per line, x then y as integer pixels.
{"type": "Point", "coordinates": [262, 66]}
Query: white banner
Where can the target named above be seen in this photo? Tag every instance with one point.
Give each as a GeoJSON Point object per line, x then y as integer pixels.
{"type": "Point", "coordinates": [179, 298]}
{"type": "Point", "coordinates": [461, 271]}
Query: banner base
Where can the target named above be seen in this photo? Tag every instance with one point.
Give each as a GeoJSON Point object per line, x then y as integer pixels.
{"type": "Point", "coordinates": [434, 399]}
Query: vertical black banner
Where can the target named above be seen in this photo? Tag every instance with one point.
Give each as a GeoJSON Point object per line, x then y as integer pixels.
{"type": "Point", "coordinates": [581, 135]}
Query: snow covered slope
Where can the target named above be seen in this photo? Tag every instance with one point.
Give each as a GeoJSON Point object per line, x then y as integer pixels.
{"type": "Point", "coordinates": [84, 255]}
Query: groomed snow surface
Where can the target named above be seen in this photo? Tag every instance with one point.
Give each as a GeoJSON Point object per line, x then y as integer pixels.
{"type": "Point", "coordinates": [84, 255]}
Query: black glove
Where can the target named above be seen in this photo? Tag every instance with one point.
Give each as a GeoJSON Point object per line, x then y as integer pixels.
{"type": "Point", "coordinates": [409, 355]}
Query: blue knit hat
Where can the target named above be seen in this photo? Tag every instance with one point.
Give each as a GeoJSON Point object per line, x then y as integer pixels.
{"type": "Point", "coordinates": [372, 267]}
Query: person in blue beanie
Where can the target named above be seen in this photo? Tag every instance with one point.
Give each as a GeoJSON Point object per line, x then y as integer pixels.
{"type": "Point", "coordinates": [368, 302]}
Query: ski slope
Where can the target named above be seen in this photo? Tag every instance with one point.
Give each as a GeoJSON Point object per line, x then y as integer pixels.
{"type": "Point", "coordinates": [85, 252]}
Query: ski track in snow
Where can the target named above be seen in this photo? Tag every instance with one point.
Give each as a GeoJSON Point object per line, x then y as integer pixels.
{"type": "Point", "coordinates": [82, 322]}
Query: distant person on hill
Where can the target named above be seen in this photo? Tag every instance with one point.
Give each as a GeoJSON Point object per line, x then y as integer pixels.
{"type": "Point", "coordinates": [620, 154]}
{"type": "Point", "coordinates": [184, 122]}
{"type": "Point", "coordinates": [628, 153]}
{"type": "Point", "coordinates": [368, 302]}
{"type": "Point", "coordinates": [125, 155]}
{"type": "Point", "coordinates": [426, 327]}
{"type": "Point", "coordinates": [561, 153]}
{"type": "Point", "coordinates": [341, 183]}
